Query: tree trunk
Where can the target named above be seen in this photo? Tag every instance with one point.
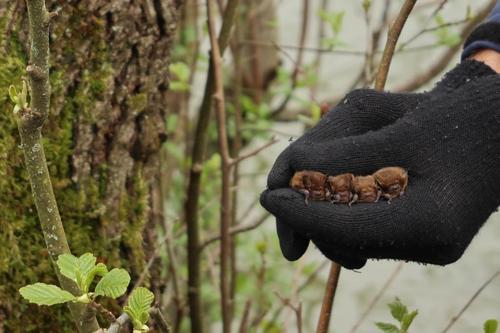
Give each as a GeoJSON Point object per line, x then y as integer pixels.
{"type": "Point", "coordinates": [109, 76]}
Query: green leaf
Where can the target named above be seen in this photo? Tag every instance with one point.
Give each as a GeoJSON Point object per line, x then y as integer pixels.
{"type": "Point", "coordinates": [490, 326]}
{"type": "Point", "coordinates": [100, 269]}
{"type": "Point", "coordinates": [138, 306]}
{"type": "Point", "coordinates": [45, 294]}
{"type": "Point", "coordinates": [408, 319]}
{"type": "Point", "coordinates": [13, 94]}
{"type": "Point", "coordinates": [86, 262]}
{"type": "Point", "coordinates": [315, 112]}
{"type": "Point", "coordinates": [114, 284]}
{"type": "Point", "coordinates": [387, 328]}
{"type": "Point", "coordinates": [68, 264]}
{"type": "Point", "coordinates": [398, 309]}
{"type": "Point", "coordinates": [82, 270]}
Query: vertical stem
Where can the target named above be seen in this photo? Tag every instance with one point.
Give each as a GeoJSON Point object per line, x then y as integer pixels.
{"type": "Point", "coordinates": [390, 46]}
{"type": "Point", "coordinates": [298, 63]}
{"type": "Point", "coordinates": [235, 151]}
{"type": "Point", "coordinates": [193, 190]}
{"type": "Point", "coordinates": [326, 307]}
{"type": "Point", "coordinates": [30, 122]}
{"type": "Point", "coordinates": [225, 203]}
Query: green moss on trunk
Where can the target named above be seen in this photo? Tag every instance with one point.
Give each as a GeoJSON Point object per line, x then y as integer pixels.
{"type": "Point", "coordinates": [101, 89]}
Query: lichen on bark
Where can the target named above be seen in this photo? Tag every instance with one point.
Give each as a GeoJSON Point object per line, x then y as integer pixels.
{"type": "Point", "coordinates": [109, 75]}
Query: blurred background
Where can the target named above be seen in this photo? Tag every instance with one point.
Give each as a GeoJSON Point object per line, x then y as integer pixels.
{"type": "Point", "coordinates": [333, 62]}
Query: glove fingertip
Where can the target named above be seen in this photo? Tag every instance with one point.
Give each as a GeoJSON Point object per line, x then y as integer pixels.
{"type": "Point", "coordinates": [292, 245]}
{"type": "Point", "coordinates": [341, 256]}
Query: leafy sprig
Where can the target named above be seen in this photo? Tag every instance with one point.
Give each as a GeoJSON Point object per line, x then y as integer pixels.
{"type": "Point", "coordinates": [400, 312]}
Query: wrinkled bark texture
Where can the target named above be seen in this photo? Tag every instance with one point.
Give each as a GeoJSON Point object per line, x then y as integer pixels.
{"type": "Point", "coordinates": [109, 76]}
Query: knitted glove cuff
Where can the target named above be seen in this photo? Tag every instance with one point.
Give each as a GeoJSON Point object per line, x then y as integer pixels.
{"type": "Point", "coordinates": [464, 72]}
{"type": "Point", "coordinates": [485, 36]}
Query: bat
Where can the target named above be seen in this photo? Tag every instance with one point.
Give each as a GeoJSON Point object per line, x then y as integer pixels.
{"type": "Point", "coordinates": [364, 189]}
{"type": "Point", "coordinates": [392, 181]}
{"type": "Point", "coordinates": [312, 184]}
{"type": "Point", "coordinates": [340, 188]}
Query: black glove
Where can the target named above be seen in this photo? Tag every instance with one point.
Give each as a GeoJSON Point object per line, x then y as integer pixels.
{"type": "Point", "coordinates": [449, 141]}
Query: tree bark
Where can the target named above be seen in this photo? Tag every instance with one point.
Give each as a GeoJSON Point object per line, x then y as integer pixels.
{"type": "Point", "coordinates": [109, 76]}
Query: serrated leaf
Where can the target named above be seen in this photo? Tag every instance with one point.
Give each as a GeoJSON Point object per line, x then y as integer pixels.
{"type": "Point", "coordinates": [86, 262]}
{"type": "Point", "coordinates": [45, 294]}
{"type": "Point", "coordinates": [99, 269]}
{"type": "Point", "coordinates": [387, 328]}
{"type": "Point", "coordinates": [114, 283]}
{"type": "Point", "coordinates": [398, 309]}
{"type": "Point", "coordinates": [407, 320]}
{"type": "Point", "coordinates": [490, 326]}
{"type": "Point", "coordinates": [139, 303]}
{"type": "Point", "coordinates": [68, 264]}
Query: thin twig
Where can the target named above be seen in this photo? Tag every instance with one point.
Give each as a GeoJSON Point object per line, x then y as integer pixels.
{"type": "Point", "coordinates": [236, 230]}
{"type": "Point", "coordinates": [159, 319]}
{"type": "Point", "coordinates": [326, 307]}
{"type": "Point", "coordinates": [254, 152]}
{"type": "Point", "coordinates": [381, 78]}
{"type": "Point", "coordinates": [302, 286]}
{"type": "Point", "coordinates": [235, 151]}
{"type": "Point", "coordinates": [319, 54]}
{"type": "Point", "coordinates": [390, 46]}
{"type": "Point", "coordinates": [297, 309]}
{"type": "Point", "coordinates": [469, 302]}
{"type": "Point", "coordinates": [419, 80]}
{"type": "Point", "coordinates": [427, 30]}
{"type": "Point", "coordinates": [377, 297]}
{"type": "Point", "coordinates": [103, 311]}
{"type": "Point", "coordinates": [298, 63]}
{"type": "Point", "coordinates": [244, 318]}
{"type": "Point", "coordinates": [225, 201]}
{"type": "Point", "coordinates": [191, 209]}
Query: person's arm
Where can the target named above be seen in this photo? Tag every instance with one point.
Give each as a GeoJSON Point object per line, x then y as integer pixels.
{"type": "Point", "coordinates": [489, 57]}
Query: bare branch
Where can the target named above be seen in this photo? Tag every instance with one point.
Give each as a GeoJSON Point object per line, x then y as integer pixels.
{"type": "Point", "coordinates": [244, 318]}
{"type": "Point", "coordinates": [236, 230]}
{"type": "Point", "coordinates": [253, 152]}
{"type": "Point", "coordinates": [225, 201]}
{"type": "Point", "coordinates": [326, 307]}
{"type": "Point", "coordinates": [300, 55]}
{"type": "Point", "coordinates": [160, 320]}
{"type": "Point", "coordinates": [419, 80]}
{"type": "Point", "coordinates": [390, 46]}
{"type": "Point", "coordinates": [191, 210]}
{"type": "Point", "coordinates": [377, 297]}
{"type": "Point", "coordinates": [297, 309]}
{"type": "Point", "coordinates": [469, 302]}
{"type": "Point", "coordinates": [392, 38]}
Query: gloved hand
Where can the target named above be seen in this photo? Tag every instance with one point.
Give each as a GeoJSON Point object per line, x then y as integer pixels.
{"type": "Point", "coordinates": [448, 139]}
